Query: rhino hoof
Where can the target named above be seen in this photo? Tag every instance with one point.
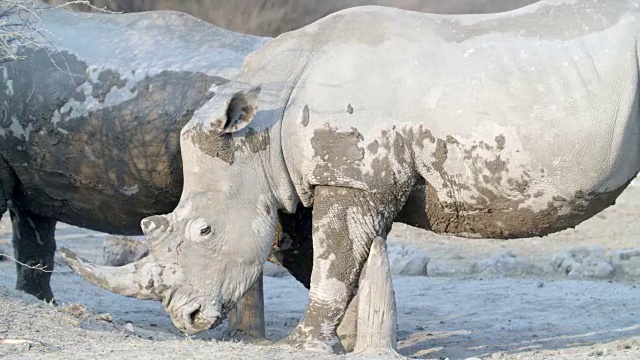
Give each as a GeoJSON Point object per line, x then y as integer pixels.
{"type": "Point", "coordinates": [239, 335]}
{"type": "Point", "coordinates": [299, 342]}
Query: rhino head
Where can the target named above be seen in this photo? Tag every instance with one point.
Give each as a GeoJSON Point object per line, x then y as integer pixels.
{"type": "Point", "coordinates": [209, 251]}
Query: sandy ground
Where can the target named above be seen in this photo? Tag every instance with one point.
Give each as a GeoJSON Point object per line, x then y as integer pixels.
{"type": "Point", "coordinates": [461, 315]}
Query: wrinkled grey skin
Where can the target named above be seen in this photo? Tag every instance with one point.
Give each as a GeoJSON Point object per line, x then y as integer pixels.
{"type": "Point", "coordinates": [95, 143]}
{"type": "Point", "coordinates": [90, 122]}
{"type": "Point", "coordinates": [90, 128]}
{"type": "Point", "coordinates": [359, 115]}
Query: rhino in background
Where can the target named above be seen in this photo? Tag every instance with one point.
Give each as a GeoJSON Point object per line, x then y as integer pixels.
{"type": "Point", "coordinates": [373, 115]}
{"type": "Point", "coordinates": [90, 122]}
{"type": "Point", "coordinates": [274, 17]}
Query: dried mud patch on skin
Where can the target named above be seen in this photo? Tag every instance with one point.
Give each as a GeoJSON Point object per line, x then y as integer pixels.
{"type": "Point", "coordinates": [223, 146]}
{"type": "Point", "coordinates": [382, 165]}
{"type": "Point", "coordinates": [513, 221]}
{"type": "Point", "coordinates": [212, 143]}
{"type": "Point", "coordinates": [339, 153]}
{"type": "Point", "coordinates": [253, 141]}
{"type": "Point", "coordinates": [489, 200]}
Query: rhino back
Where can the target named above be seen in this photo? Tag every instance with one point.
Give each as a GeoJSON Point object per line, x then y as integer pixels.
{"type": "Point", "coordinates": [149, 41]}
{"type": "Point", "coordinates": [274, 17]}
{"type": "Point", "coordinates": [518, 124]}
{"type": "Point", "coordinates": [90, 147]}
{"type": "Point", "coordinates": [91, 128]}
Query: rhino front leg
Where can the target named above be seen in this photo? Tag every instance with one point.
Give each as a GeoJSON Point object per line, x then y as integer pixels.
{"type": "Point", "coordinates": [345, 222]}
{"type": "Point", "coordinates": [34, 245]}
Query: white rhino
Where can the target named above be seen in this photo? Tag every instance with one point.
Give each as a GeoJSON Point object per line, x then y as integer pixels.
{"type": "Point", "coordinates": [90, 123]}
{"type": "Point", "coordinates": [98, 95]}
{"type": "Point", "coordinates": [90, 119]}
{"type": "Point", "coordinates": [506, 125]}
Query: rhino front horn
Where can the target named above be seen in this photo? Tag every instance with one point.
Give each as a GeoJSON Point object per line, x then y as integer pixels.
{"type": "Point", "coordinates": [141, 279]}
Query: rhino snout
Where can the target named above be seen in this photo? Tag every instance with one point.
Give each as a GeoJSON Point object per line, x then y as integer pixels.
{"type": "Point", "coordinates": [194, 318]}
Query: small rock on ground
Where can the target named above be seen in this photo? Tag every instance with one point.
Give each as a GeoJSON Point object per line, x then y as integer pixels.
{"type": "Point", "coordinates": [273, 270]}
{"type": "Point", "coordinates": [408, 262]}
{"type": "Point", "coordinates": [583, 262]}
{"type": "Point", "coordinates": [505, 263]}
{"type": "Point", "coordinates": [626, 262]}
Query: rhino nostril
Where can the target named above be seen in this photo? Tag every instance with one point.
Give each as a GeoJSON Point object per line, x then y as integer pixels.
{"type": "Point", "coordinates": [191, 314]}
{"type": "Point", "coordinates": [194, 316]}
{"type": "Point", "coordinates": [147, 225]}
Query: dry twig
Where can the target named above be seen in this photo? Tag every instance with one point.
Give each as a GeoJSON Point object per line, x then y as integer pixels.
{"type": "Point", "coordinates": [39, 267]}
{"type": "Point", "coordinates": [16, 27]}
{"type": "Point", "coordinates": [88, 4]}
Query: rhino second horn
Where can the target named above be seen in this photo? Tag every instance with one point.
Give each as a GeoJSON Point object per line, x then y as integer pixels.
{"type": "Point", "coordinates": [141, 279]}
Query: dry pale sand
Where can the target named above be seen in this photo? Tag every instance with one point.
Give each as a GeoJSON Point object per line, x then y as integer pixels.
{"type": "Point", "coordinates": [544, 316]}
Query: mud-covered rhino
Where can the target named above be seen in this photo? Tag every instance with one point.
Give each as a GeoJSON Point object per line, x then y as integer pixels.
{"type": "Point", "coordinates": [510, 125]}
{"type": "Point", "coordinates": [90, 118]}
{"type": "Point", "coordinates": [90, 135]}
{"type": "Point", "coordinates": [90, 121]}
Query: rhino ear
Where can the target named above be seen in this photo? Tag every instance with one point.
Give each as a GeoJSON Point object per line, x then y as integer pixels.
{"type": "Point", "coordinates": [241, 109]}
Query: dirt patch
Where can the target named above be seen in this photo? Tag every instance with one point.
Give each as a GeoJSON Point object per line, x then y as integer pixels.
{"type": "Point", "coordinates": [437, 318]}
{"type": "Point", "coordinates": [543, 316]}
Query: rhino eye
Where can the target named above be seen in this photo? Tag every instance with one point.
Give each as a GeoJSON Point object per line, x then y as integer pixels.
{"type": "Point", "coordinates": [205, 231]}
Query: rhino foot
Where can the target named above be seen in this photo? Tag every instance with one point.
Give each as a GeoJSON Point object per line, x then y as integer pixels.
{"type": "Point", "coordinates": [34, 246]}
{"type": "Point", "coordinates": [242, 336]}
{"type": "Point", "coordinates": [36, 287]}
{"type": "Point", "coordinates": [300, 339]}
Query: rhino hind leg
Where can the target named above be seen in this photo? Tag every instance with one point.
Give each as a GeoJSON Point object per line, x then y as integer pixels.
{"type": "Point", "coordinates": [34, 246]}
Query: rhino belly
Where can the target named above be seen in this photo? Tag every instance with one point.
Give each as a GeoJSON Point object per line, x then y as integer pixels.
{"type": "Point", "coordinates": [488, 188]}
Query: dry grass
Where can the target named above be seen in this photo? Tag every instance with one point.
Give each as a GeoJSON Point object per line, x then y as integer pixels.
{"type": "Point", "coordinates": [17, 24]}
{"type": "Point", "coordinates": [16, 27]}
